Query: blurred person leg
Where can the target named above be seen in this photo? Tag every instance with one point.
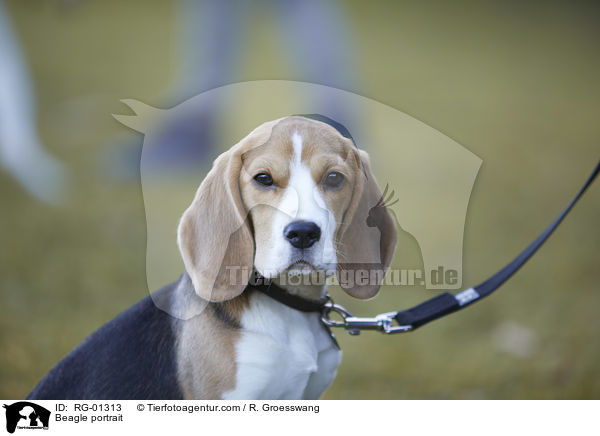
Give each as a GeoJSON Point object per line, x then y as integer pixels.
{"type": "Point", "coordinates": [21, 151]}
{"type": "Point", "coordinates": [320, 48]}
{"type": "Point", "coordinates": [210, 44]}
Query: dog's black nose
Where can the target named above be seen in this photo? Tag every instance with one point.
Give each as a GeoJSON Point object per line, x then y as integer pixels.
{"type": "Point", "coordinates": [302, 234]}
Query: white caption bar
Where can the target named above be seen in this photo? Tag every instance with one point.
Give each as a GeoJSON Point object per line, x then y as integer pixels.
{"type": "Point", "coordinates": [276, 417]}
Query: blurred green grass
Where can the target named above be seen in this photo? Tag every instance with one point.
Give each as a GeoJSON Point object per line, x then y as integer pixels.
{"type": "Point", "coordinates": [516, 83]}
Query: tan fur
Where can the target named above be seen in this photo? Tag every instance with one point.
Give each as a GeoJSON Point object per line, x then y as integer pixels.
{"type": "Point", "coordinates": [213, 232]}
{"type": "Point", "coordinates": [206, 367]}
{"type": "Point", "coordinates": [206, 346]}
{"type": "Point", "coordinates": [355, 237]}
{"type": "Point", "coordinates": [231, 214]}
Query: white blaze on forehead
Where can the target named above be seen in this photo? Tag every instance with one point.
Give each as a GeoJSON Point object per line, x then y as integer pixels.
{"type": "Point", "coordinates": [297, 144]}
{"type": "Point", "coordinates": [300, 200]}
{"type": "Point", "coordinates": [302, 182]}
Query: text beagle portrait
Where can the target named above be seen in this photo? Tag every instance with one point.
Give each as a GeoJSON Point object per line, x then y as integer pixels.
{"type": "Point", "coordinates": [292, 204]}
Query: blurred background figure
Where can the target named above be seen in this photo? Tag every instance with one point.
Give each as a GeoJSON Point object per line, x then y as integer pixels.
{"type": "Point", "coordinates": [213, 43]}
{"type": "Point", "coordinates": [21, 151]}
{"type": "Point", "coordinates": [313, 35]}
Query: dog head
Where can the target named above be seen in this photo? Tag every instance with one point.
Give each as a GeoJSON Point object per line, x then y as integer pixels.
{"type": "Point", "coordinates": [292, 197]}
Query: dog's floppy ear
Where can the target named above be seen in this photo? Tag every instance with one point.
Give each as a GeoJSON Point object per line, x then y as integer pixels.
{"type": "Point", "coordinates": [367, 237]}
{"type": "Point", "coordinates": [214, 235]}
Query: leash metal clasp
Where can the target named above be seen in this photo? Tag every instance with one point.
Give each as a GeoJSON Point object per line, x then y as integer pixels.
{"type": "Point", "coordinates": [383, 322]}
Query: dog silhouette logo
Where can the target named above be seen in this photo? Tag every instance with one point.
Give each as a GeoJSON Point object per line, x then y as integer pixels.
{"type": "Point", "coordinates": [430, 175]}
{"type": "Point", "coordinates": [26, 415]}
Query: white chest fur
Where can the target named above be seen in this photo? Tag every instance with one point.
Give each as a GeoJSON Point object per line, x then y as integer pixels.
{"type": "Point", "coordinates": [282, 353]}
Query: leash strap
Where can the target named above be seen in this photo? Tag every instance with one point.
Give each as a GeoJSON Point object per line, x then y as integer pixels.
{"type": "Point", "coordinates": [446, 303]}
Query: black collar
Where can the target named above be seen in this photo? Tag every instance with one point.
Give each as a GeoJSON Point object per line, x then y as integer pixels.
{"type": "Point", "coordinates": [294, 301]}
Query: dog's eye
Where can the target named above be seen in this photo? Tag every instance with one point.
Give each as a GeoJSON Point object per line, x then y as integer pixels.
{"type": "Point", "coordinates": [264, 179]}
{"type": "Point", "coordinates": [334, 180]}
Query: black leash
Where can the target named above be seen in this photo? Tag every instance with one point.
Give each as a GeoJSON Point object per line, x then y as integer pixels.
{"type": "Point", "coordinates": [430, 310]}
{"type": "Point", "coordinates": [446, 303]}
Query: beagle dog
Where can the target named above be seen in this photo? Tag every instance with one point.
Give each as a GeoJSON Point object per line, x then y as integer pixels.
{"type": "Point", "coordinates": [290, 203]}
